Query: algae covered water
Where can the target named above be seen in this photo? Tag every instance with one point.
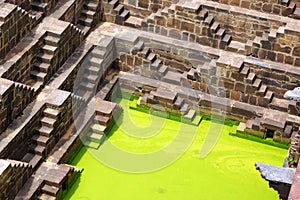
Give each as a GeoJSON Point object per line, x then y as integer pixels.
{"type": "Point", "coordinates": [227, 172]}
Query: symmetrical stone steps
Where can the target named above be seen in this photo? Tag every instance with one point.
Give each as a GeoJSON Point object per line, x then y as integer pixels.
{"type": "Point", "coordinates": [116, 12]}
{"type": "Point", "coordinates": [247, 82]}
{"type": "Point", "coordinates": [104, 118]}
{"type": "Point", "coordinates": [91, 74]}
{"type": "Point", "coordinates": [208, 30]}
{"type": "Point", "coordinates": [179, 106]}
{"type": "Point", "coordinates": [43, 60]}
{"type": "Point", "coordinates": [38, 149]}
{"type": "Point", "coordinates": [87, 16]}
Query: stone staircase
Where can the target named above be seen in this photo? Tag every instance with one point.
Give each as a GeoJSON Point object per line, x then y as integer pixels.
{"type": "Point", "coordinates": [55, 182]}
{"type": "Point", "coordinates": [207, 28]}
{"type": "Point", "coordinates": [90, 72]}
{"type": "Point", "coordinates": [115, 12]}
{"type": "Point", "coordinates": [152, 66]}
{"type": "Point", "coordinates": [43, 62]}
{"type": "Point", "coordinates": [87, 16]}
{"type": "Point", "coordinates": [178, 104]}
{"type": "Point", "coordinates": [48, 60]}
{"type": "Point", "coordinates": [254, 86]}
{"type": "Point", "coordinates": [102, 122]}
{"type": "Point", "coordinates": [39, 147]}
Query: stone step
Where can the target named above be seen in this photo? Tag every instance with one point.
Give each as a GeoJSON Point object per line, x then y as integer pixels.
{"type": "Point", "coordinates": [51, 113]}
{"type": "Point", "coordinates": [269, 96]}
{"type": "Point", "coordinates": [139, 45]}
{"type": "Point", "coordinates": [49, 49]}
{"type": "Point", "coordinates": [151, 57]}
{"type": "Point", "coordinates": [279, 104]}
{"type": "Point", "coordinates": [48, 122]}
{"type": "Point", "coordinates": [85, 21]}
{"type": "Point", "coordinates": [220, 33]}
{"type": "Point", "coordinates": [215, 27]}
{"type": "Point", "coordinates": [272, 34]}
{"type": "Point", "coordinates": [102, 120]}
{"type": "Point", "coordinates": [156, 64]}
{"type": "Point", "coordinates": [39, 76]}
{"type": "Point", "coordinates": [257, 41]}
{"type": "Point", "coordinates": [91, 78]}
{"type": "Point", "coordinates": [44, 57]}
{"type": "Point", "coordinates": [87, 86]}
{"type": "Point", "coordinates": [209, 20]}
{"type": "Point", "coordinates": [51, 40]}
{"type": "Point", "coordinates": [251, 78]}
{"type": "Point", "coordinates": [45, 131]}
{"type": "Point", "coordinates": [97, 128]}
{"type": "Point", "coordinates": [114, 3]}
{"type": "Point", "coordinates": [145, 52]}
{"type": "Point", "coordinates": [41, 66]}
{"type": "Point", "coordinates": [95, 61]}
{"type": "Point", "coordinates": [122, 17]}
{"type": "Point", "coordinates": [98, 53]}
{"type": "Point", "coordinates": [88, 13]}
{"type": "Point", "coordinates": [185, 108]}
{"type": "Point", "coordinates": [190, 115]}
{"type": "Point", "coordinates": [37, 149]}
{"type": "Point", "coordinates": [40, 140]}
{"type": "Point", "coordinates": [226, 40]}
{"type": "Point", "coordinates": [33, 159]}
{"type": "Point", "coordinates": [90, 6]}
{"type": "Point", "coordinates": [50, 190]}
{"type": "Point", "coordinates": [93, 70]}
{"type": "Point", "coordinates": [90, 144]}
{"type": "Point", "coordinates": [245, 71]}
{"type": "Point", "coordinates": [191, 74]}
{"type": "Point", "coordinates": [241, 127]}
{"type": "Point", "coordinates": [119, 9]}
{"type": "Point", "coordinates": [163, 70]}
{"type": "Point", "coordinates": [257, 83]}
{"type": "Point", "coordinates": [44, 196]}
{"type": "Point", "coordinates": [134, 22]}
{"type": "Point", "coordinates": [95, 137]}
{"type": "Point", "coordinates": [178, 103]}
{"type": "Point", "coordinates": [262, 90]}
{"type": "Point", "coordinates": [237, 47]}
{"type": "Point", "coordinates": [202, 15]}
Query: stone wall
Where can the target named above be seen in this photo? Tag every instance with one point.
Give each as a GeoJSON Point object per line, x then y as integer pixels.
{"type": "Point", "coordinates": [15, 23]}
{"type": "Point", "coordinates": [14, 98]}
{"type": "Point", "coordinates": [269, 6]}
{"type": "Point", "coordinates": [17, 66]}
{"type": "Point", "coordinates": [12, 177]}
{"type": "Point", "coordinates": [69, 12]}
{"type": "Point", "coordinates": [143, 6]}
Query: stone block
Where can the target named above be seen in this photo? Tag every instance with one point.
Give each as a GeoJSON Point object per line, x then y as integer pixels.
{"type": "Point", "coordinates": [235, 95]}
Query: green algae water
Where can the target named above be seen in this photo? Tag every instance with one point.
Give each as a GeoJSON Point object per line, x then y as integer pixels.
{"type": "Point", "coordinates": [228, 172]}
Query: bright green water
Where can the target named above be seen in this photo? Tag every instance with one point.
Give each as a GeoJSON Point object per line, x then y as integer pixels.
{"type": "Point", "coordinates": [227, 173]}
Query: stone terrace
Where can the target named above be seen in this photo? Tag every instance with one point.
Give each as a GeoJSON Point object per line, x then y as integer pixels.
{"type": "Point", "coordinates": [61, 63]}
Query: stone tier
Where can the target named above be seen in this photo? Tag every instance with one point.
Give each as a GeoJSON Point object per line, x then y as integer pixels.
{"type": "Point", "coordinates": [15, 23]}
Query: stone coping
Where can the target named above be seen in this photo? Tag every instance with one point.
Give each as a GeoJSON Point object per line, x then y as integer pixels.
{"type": "Point", "coordinates": [276, 174]}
